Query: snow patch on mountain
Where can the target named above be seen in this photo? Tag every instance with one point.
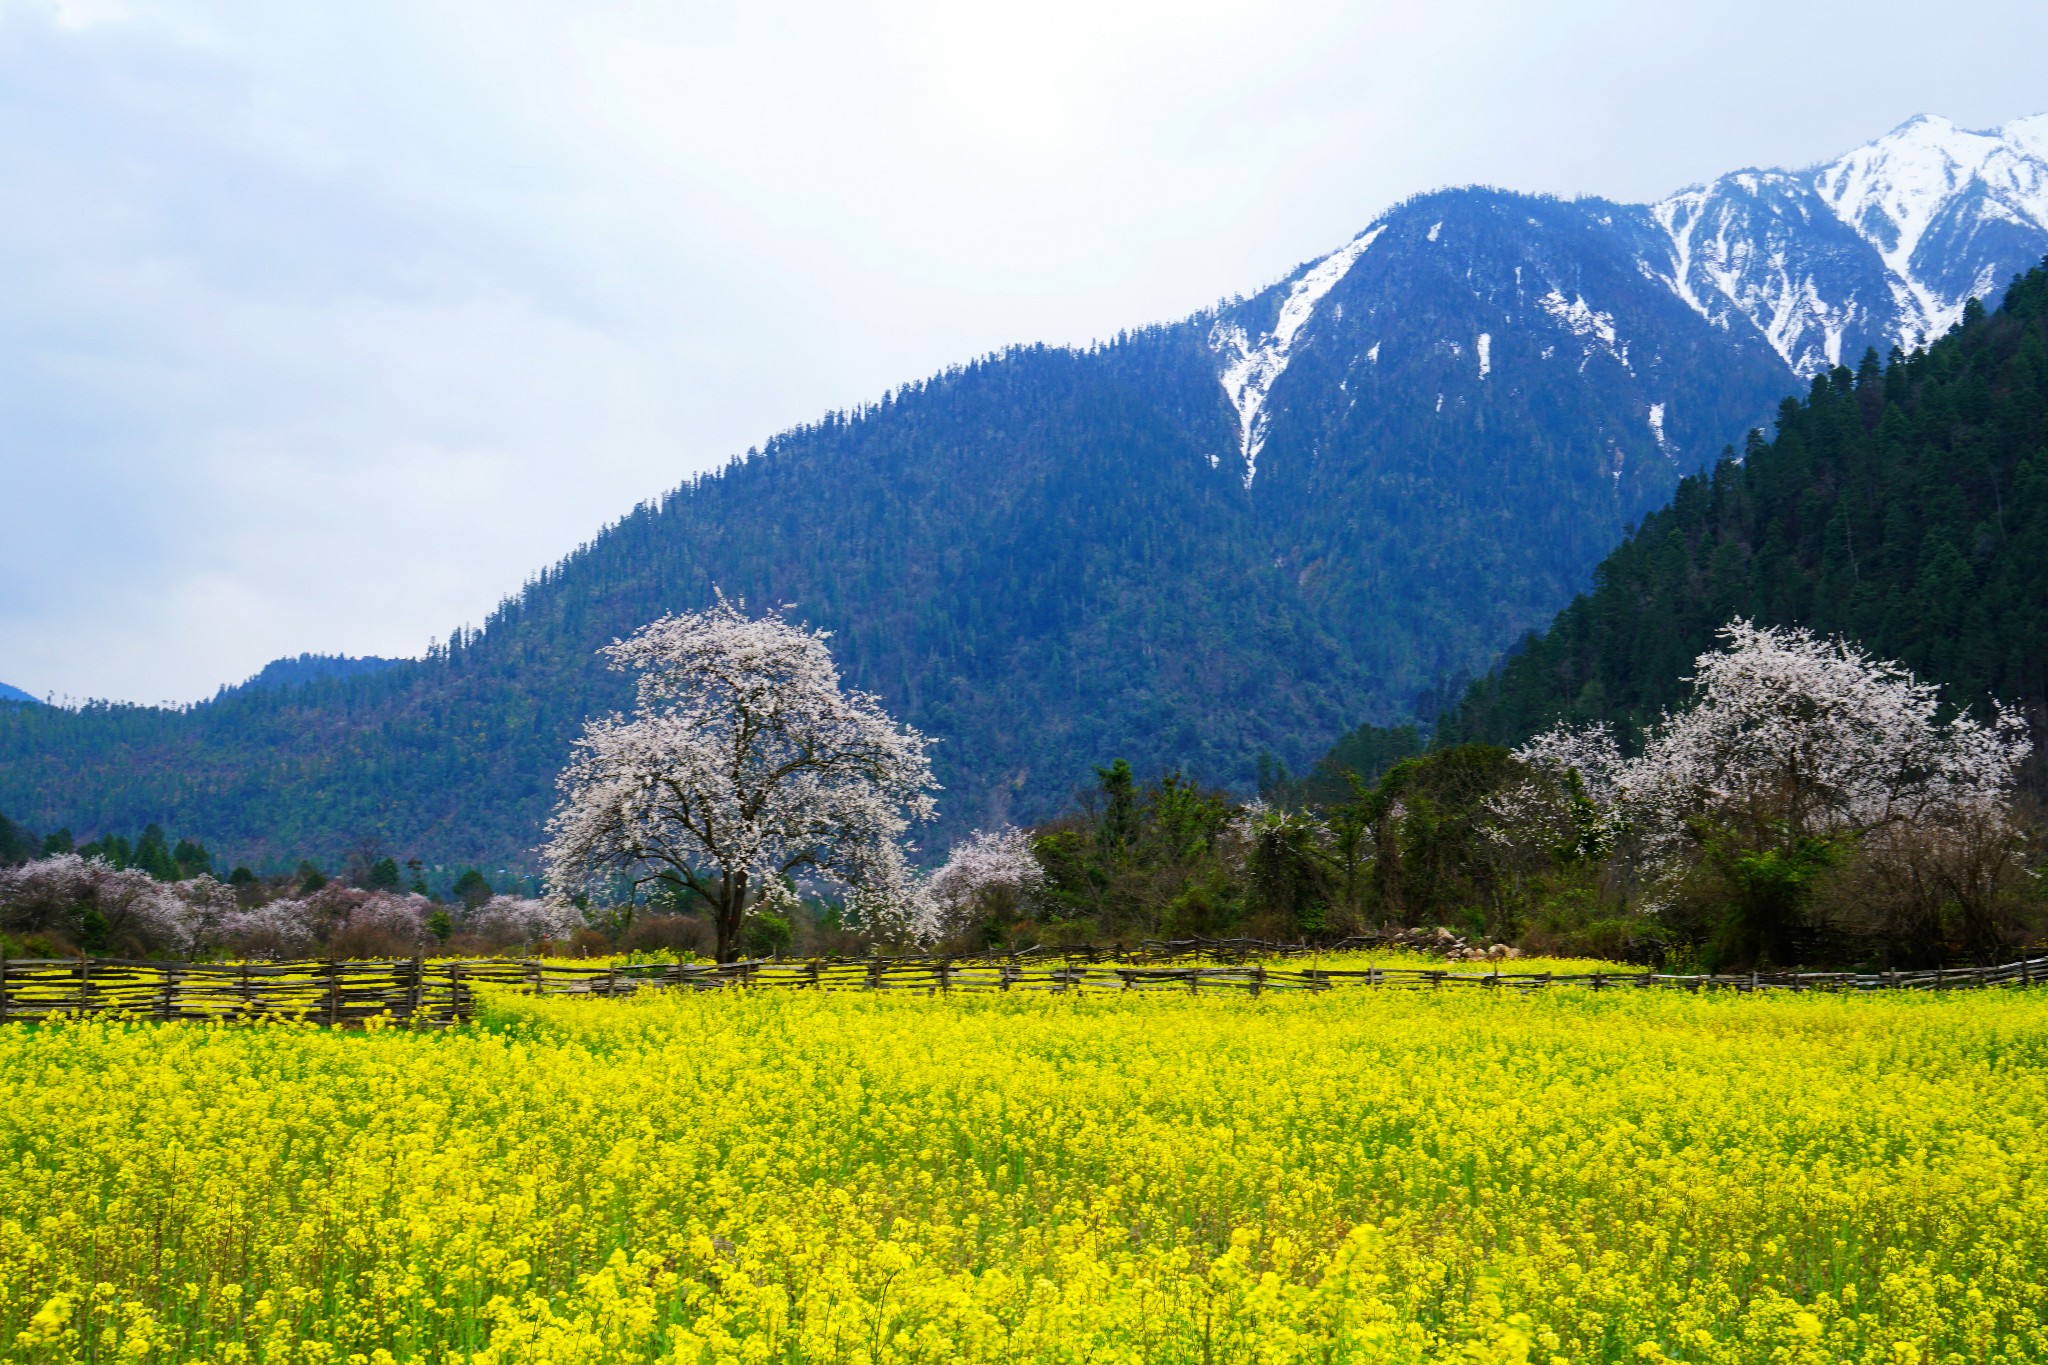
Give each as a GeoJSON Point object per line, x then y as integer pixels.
{"type": "Point", "coordinates": [1657, 427]}
{"type": "Point", "coordinates": [1251, 368]}
{"type": "Point", "coordinates": [1485, 353]}
{"type": "Point", "coordinates": [1578, 318]}
{"type": "Point", "coordinates": [1591, 326]}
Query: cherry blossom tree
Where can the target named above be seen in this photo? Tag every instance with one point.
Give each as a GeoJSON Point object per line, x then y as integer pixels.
{"type": "Point", "coordinates": [989, 865]}
{"type": "Point", "coordinates": [519, 919]}
{"type": "Point", "coordinates": [1789, 731]}
{"type": "Point", "coordinates": [1795, 752]}
{"type": "Point", "coordinates": [97, 906]}
{"type": "Point", "coordinates": [744, 764]}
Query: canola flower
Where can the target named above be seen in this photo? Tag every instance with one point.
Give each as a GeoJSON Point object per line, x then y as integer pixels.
{"type": "Point", "coordinates": [1361, 1176]}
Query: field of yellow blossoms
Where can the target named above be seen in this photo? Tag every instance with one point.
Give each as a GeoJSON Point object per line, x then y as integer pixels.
{"type": "Point", "coordinates": [1358, 1175]}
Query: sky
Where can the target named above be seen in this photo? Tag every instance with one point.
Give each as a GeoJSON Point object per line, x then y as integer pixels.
{"type": "Point", "coordinates": [323, 327]}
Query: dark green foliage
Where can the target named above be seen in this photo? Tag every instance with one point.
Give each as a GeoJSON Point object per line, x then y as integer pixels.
{"type": "Point", "coordinates": [1435, 864]}
{"type": "Point", "coordinates": [17, 845]}
{"type": "Point", "coordinates": [472, 888]}
{"type": "Point", "coordinates": [1169, 858]}
{"type": "Point", "coordinates": [1905, 507]}
{"type": "Point", "coordinates": [766, 935]}
{"type": "Point", "coordinates": [382, 876]}
{"type": "Point", "coordinates": [1362, 755]}
{"type": "Point", "coordinates": [1137, 859]}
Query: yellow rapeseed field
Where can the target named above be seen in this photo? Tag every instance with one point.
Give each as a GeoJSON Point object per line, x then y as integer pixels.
{"type": "Point", "coordinates": [1353, 1176]}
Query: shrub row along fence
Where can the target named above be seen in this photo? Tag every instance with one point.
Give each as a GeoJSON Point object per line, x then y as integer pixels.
{"type": "Point", "coordinates": [421, 993]}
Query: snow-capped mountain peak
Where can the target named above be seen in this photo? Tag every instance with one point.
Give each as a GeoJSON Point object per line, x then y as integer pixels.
{"type": "Point", "coordinates": [1882, 246]}
{"type": "Point", "coordinates": [1805, 268]}
{"type": "Point", "coordinates": [1926, 176]}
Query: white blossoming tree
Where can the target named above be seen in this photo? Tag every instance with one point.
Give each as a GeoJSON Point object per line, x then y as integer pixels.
{"type": "Point", "coordinates": [95, 906]}
{"type": "Point", "coordinates": [991, 871]}
{"type": "Point", "coordinates": [1794, 733]}
{"type": "Point", "coordinates": [744, 763]}
{"type": "Point", "coordinates": [1793, 748]}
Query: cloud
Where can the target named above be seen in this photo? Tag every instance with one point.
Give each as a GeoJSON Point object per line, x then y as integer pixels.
{"type": "Point", "coordinates": [326, 326]}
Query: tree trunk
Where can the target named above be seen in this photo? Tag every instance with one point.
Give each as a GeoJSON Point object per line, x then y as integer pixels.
{"type": "Point", "coordinates": [727, 915]}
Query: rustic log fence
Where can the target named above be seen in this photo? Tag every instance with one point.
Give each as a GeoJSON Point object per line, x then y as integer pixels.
{"type": "Point", "coordinates": [425, 993]}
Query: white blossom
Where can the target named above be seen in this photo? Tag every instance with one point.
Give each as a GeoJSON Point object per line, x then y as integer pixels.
{"type": "Point", "coordinates": [61, 894]}
{"type": "Point", "coordinates": [521, 920]}
{"type": "Point", "coordinates": [1789, 729]}
{"type": "Point", "coordinates": [1565, 804]}
{"type": "Point", "coordinates": [1784, 730]}
{"type": "Point", "coordinates": [292, 927]}
{"type": "Point", "coordinates": [278, 928]}
{"type": "Point", "coordinates": [744, 762]}
{"type": "Point", "coordinates": [999, 860]}
{"type": "Point", "coordinates": [1589, 750]}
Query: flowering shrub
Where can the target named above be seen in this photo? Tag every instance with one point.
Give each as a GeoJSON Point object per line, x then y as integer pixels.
{"type": "Point", "coordinates": [1797, 755]}
{"type": "Point", "coordinates": [991, 865]}
{"type": "Point", "coordinates": [1790, 731]}
{"type": "Point", "coordinates": [94, 906]}
{"type": "Point", "coordinates": [344, 919]}
{"type": "Point", "coordinates": [511, 920]}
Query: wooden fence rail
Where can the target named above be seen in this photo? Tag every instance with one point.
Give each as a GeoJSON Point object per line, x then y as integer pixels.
{"type": "Point", "coordinates": [422, 993]}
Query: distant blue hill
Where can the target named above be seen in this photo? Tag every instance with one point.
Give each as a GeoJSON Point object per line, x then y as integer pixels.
{"type": "Point", "coordinates": [15, 694]}
{"type": "Point", "coordinates": [310, 668]}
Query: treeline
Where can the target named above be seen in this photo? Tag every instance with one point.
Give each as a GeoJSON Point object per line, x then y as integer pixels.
{"type": "Point", "coordinates": [154, 854]}
{"type": "Point", "coordinates": [1903, 506]}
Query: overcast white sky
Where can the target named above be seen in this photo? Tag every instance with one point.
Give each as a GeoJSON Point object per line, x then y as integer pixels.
{"type": "Point", "coordinates": [323, 326]}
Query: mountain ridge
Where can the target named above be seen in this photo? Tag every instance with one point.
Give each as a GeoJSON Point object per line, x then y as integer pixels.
{"type": "Point", "coordinates": [1237, 534]}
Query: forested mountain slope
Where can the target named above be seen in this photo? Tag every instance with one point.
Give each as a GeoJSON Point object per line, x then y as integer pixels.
{"type": "Point", "coordinates": [1905, 507]}
{"type": "Point", "coordinates": [1241, 533]}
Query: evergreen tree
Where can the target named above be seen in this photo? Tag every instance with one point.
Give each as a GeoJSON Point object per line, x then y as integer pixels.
{"type": "Point", "coordinates": [1903, 506]}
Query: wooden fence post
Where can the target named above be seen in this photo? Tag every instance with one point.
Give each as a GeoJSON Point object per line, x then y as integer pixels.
{"type": "Point", "coordinates": [1258, 981]}
{"type": "Point", "coordinates": [3, 985]}
{"type": "Point", "coordinates": [333, 992]}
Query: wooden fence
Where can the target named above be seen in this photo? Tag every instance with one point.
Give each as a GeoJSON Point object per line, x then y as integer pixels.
{"type": "Point", "coordinates": [422, 993]}
{"type": "Point", "coordinates": [414, 992]}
